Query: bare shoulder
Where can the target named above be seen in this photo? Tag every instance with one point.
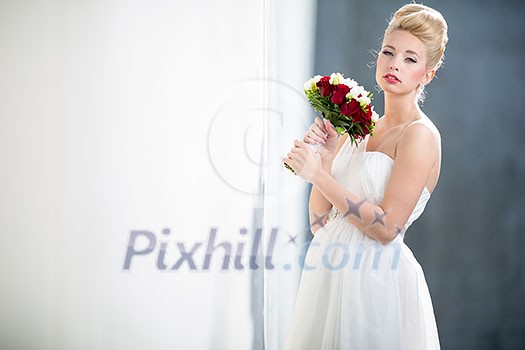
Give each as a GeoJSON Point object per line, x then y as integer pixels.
{"type": "Point", "coordinates": [422, 132]}
{"type": "Point", "coordinates": [421, 139]}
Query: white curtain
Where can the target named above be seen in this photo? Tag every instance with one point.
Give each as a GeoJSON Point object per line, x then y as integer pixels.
{"type": "Point", "coordinates": [133, 133]}
{"type": "Point", "coordinates": [290, 30]}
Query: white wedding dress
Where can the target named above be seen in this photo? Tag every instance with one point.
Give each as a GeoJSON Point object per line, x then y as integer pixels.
{"type": "Point", "coordinates": [354, 292]}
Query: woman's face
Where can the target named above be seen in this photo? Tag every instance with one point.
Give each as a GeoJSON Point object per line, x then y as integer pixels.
{"type": "Point", "coordinates": [401, 65]}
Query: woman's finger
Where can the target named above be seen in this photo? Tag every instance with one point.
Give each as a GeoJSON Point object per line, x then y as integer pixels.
{"type": "Point", "coordinates": [291, 162]}
{"type": "Point", "coordinates": [299, 144]}
{"type": "Point", "coordinates": [320, 124]}
{"type": "Point", "coordinates": [312, 136]}
{"type": "Point", "coordinates": [318, 131]}
{"type": "Point", "coordinates": [330, 129]}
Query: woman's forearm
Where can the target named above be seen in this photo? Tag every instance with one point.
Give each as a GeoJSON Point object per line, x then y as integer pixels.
{"type": "Point", "coordinates": [319, 206]}
{"type": "Point", "coordinates": [371, 219]}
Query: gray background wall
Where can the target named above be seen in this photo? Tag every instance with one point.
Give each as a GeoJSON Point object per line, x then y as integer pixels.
{"type": "Point", "coordinates": [471, 238]}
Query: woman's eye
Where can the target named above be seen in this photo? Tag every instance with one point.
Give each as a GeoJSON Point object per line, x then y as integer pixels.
{"type": "Point", "coordinates": [388, 53]}
{"type": "Point", "coordinates": [411, 60]}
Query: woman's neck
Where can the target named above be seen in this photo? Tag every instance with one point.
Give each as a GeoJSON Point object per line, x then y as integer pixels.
{"type": "Point", "coordinates": [401, 109]}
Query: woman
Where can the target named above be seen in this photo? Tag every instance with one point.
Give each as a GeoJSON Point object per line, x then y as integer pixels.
{"type": "Point", "coordinates": [361, 287]}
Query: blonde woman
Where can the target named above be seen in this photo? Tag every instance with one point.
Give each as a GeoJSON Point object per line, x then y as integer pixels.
{"type": "Point", "coordinates": [361, 287]}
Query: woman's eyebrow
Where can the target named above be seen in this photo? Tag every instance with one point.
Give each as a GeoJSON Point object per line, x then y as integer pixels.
{"type": "Point", "coordinates": [407, 51]}
{"type": "Point", "coordinates": [412, 52]}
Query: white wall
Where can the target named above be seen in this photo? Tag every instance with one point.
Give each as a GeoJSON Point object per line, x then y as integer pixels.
{"type": "Point", "coordinates": [129, 115]}
{"type": "Point", "coordinates": [105, 109]}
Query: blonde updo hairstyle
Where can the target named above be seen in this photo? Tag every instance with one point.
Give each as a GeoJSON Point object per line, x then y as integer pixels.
{"type": "Point", "coordinates": [429, 26]}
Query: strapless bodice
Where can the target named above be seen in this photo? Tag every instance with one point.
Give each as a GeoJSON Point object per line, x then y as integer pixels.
{"type": "Point", "coordinates": [366, 173]}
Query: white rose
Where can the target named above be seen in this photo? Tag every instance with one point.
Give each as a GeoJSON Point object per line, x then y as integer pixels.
{"type": "Point", "coordinates": [309, 84]}
{"type": "Point", "coordinates": [356, 91]}
{"type": "Point", "coordinates": [363, 100]}
{"type": "Point", "coordinates": [375, 116]}
{"type": "Point", "coordinates": [350, 83]}
{"type": "Point", "coordinates": [336, 78]}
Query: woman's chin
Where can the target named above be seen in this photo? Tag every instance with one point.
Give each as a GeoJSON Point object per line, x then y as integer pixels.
{"type": "Point", "coordinates": [396, 90]}
{"type": "Point", "coordinates": [388, 87]}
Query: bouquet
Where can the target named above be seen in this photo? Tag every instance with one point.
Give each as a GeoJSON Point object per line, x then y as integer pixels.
{"type": "Point", "coordinates": [345, 103]}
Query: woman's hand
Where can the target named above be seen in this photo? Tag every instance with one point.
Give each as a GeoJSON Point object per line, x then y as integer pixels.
{"type": "Point", "coordinates": [304, 161]}
{"type": "Point", "coordinates": [323, 134]}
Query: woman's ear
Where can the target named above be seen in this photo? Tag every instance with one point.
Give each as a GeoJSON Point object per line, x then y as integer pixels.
{"type": "Point", "coordinates": [428, 77]}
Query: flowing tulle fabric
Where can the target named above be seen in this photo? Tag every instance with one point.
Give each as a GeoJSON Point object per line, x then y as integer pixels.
{"type": "Point", "coordinates": [354, 292]}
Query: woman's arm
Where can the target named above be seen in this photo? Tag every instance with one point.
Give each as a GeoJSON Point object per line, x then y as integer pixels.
{"type": "Point", "coordinates": [322, 133]}
{"type": "Point", "coordinates": [319, 206]}
{"type": "Point", "coordinates": [415, 158]}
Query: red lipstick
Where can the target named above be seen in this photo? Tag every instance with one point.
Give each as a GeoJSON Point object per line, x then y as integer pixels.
{"type": "Point", "coordinates": [391, 78]}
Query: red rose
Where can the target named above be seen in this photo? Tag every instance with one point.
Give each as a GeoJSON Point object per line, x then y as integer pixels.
{"type": "Point", "coordinates": [359, 117]}
{"type": "Point", "coordinates": [368, 115]}
{"type": "Point", "coordinates": [363, 117]}
{"type": "Point", "coordinates": [324, 86]}
{"type": "Point", "coordinates": [339, 95]}
{"type": "Point", "coordinates": [350, 108]}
